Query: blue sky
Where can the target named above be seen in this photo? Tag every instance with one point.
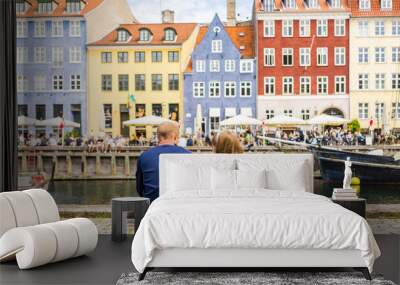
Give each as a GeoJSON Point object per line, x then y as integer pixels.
{"type": "Point", "coordinates": [188, 10]}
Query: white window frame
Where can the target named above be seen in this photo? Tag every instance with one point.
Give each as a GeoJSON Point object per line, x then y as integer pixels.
{"type": "Point", "coordinates": [216, 87]}
{"type": "Point", "coordinates": [287, 28]}
{"type": "Point", "coordinates": [270, 81]}
{"type": "Point", "coordinates": [22, 55]}
{"type": "Point", "coordinates": [364, 4]}
{"type": "Point", "coordinates": [22, 29]}
{"type": "Point", "coordinates": [340, 56]}
{"type": "Point", "coordinates": [58, 82]}
{"type": "Point", "coordinates": [75, 28]}
{"type": "Point", "coordinates": [336, 4]}
{"type": "Point", "coordinates": [269, 114]}
{"type": "Point", "coordinates": [305, 114]}
{"type": "Point", "coordinates": [39, 55]}
{"type": "Point", "coordinates": [230, 65]}
{"type": "Point", "coordinates": [75, 54]}
{"type": "Point", "coordinates": [322, 56]}
{"type": "Point", "coordinates": [216, 46]}
{"type": "Point", "coordinates": [363, 81]}
{"type": "Point", "coordinates": [304, 28]}
{"type": "Point", "coordinates": [395, 54]}
{"type": "Point", "coordinates": [287, 83]}
{"type": "Point", "coordinates": [200, 65]}
{"type": "Point", "coordinates": [363, 55]}
{"type": "Point", "coordinates": [340, 27]}
{"type": "Point", "coordinates": [305, 56]}
{"type": "Point", "coordinates": [313, 4]}
{"type": "Point", "coordinates": [386, 4]}
{"type": "Point", "coordinates": [246, 66]}
{"type": "Point", "coordinates": [39, 82]}
{"type": "Point", "coordinates": [269, 28]}
{"type": "Point", "coordinates": [322, 28]}
{"type": "Point", "coordinates": [380, 55]}
{"type": "Point", "coordinates": [288, 52]}
{"type": "Point", "coordinates": [323, 81]}
{"type": "Point", "coordinates": [363, 110]}
{"type": "Point", "coordinates": [230, 89]}
{"type": "Point", "coordinates": [379, 28]}
{"type": "Point", "coordinates": [288, 112]}
{"type": "Point", "coordinates": [395, 27]}
{"type": "Point", "coordinates": [57, 28]}
{"type": "Point", "coordinates": [341, 81]}
{"type": "Point", "coordinates": [198, 89]}
{"type": "Point", "coordinates": [22, 83]}
{"type": "Point", "coordinates": [75, 82]}
{"type": "Point", "coordinates": [39, 29]}
{"type": "Point", "coordinates": [290, 4]}
{"type": "Point", "coordinates": [363, 28]}
{"type": "Point", "coordinates": [57, 57]}
{"type": "Point", "coordinates": [245, 89]}
{"type": "Point", "coordinates": [380, 81]}
{"type": "Point", "coordinates": [395, 81]}
{"type": "Point", "coordinates": [215, 65]}
{"type": "Point", "coordinates": [305, 85]}
{"type": "Point", "coordinates": [269, 57]}
{"type": "Point", "coordinates": [379, 110]}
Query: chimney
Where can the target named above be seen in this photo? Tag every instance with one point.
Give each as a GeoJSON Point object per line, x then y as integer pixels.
{"type": "Point", "coordinates": [231, 12]}
{"type": "Point", "coordinates": [168, 16]}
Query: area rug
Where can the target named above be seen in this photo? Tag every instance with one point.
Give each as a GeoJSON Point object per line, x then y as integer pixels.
{"type": "Point", "coordinates": [244, 278]}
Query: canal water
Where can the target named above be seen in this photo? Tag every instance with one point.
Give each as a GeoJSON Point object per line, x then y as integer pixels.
{"type": "Point", "coordinates": [96, 192]}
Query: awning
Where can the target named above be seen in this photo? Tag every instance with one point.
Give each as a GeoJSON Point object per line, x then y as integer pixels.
{"type": "Point", "coordinates": [230, 112]}
{"type": "Point", "coordinates": [214, 112]}
{"type": "Point", "coordinates": [246, 111]}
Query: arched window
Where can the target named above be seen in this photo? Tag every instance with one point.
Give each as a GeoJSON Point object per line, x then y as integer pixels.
{"type": "Point", "coordinates": [123, 35]}
{"type": "Point", "coordinates": [170, 35]}
{"type": "Point", "coordinates": [144, 35]}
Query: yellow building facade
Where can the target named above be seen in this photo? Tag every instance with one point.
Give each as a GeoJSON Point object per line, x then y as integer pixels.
{"type": "Point", "coordinates": [137, 70]}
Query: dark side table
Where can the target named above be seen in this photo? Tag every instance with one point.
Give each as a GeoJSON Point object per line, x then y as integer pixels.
{"type": "Point", "coordinates": [119, 214]}
{"type": "Point", "coordinates": [357, 205]}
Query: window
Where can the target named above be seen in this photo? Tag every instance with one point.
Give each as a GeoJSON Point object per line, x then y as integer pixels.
{"type": "Point", "coordinates": [123, 57]}
{"type": "Point", "coordinates": [198, 89]}
{"type": "Point", "coordinates": [304, 28]}
{"type": "Point", "coordinates": [305, 57]}
{"type": "Point", "coordinates": [269, 28]}
{"type": "Point", "coordinates": [58, 82]}
{"type": "Point", "coordinates": [230, 65]}
{"type": "Point", "coordinates": [22, 29]}
{"type": "Point", "coordinates": [396, 81]}
{"type": "Point", "coordinates": [312, 4]}
{"type": "Point", "coordinates": [340, 85]}
{"type": "Point", "coordinates": [386, 4]}
{"type": "Point", "coordinates": [396, 110]}
{"type": "Point", "coordinates": [380, 81]}
{"type": "Point", "coordinates": [363, 111]}
{"type": "Point", "coordinates": [336, 4]}
{"type": "Point", "coordinates": [106, 82]}
{"type": "Point", "coordinates": [269, 5]}
{"type": "Point", "coordinates": [305, 85]}
{"type": "Point", "coordinates": [40, 112]}
{"type": "Point", "coordinates": [214, 89]}
{"type": "Point", "coordinates": [123, 82]}
{"type": "Point", "coordinates": [214, 65]}
{"type": "Point", "coordinates": [363, 81]}
{"type": "Point", "coordinates": [269, 114]}
{"type": "Point", "coordinates": [230, 88]}
{"type": "Point", "coordinates": [22, 83]}
{"type": "Point", "coordinates": [214, 123]}
{"type": "Point", "coordinates": [364, 5]}
{"type": "Point", "coordinates": [396, 28]}
{"type": "Point", "coordinates": [122, 35]}
{"type": "Point", "coordinates": [144, 35]}
{"type": "Point", "coordinates": [363, 28]}
{"type": "Point", "coordinates": [74, 28]}
{"type": "Point", "coordinates": [340, 27]}
{"type": "Point", "coordinates": [156, 56]}
{"type": "Point", "coordinates": [269, 57]}
{"type": "Point", "coordinates": [200, 65]}
{"type": "Point", "coordinates": [173, 56]}
{"type": "Point", "coordinates": [107, 109]}
{"type": "Point", "coordinates": [20, 6]}
{"type": "Point", "coordinates": [58, 110]}
{"type": "Point", "coordinates": [57, 57]}
{"type": "Point", "coordinates": [75, 82]}
{"type": "Point", "coordinates": [340, 56]}
{"type": "Point", "coordinates": [22, 54]}
{"type": "Point", "coordinates": [22, 110]}
{"type": "Point", "coordinates": [245, 89]}
{"type": "Point", "coordinates": [74, 6]}
{"type": "Point", "coordinates": [216, 46]}
{"type": "Point", "coordinates": [396, 54]}
{"type": "Point", "coordinates": [322, 56]}
{"type": "Point", "coordinates": [39, 29]}
{"type": "Point", "coordinates": [380, 55]}
{"type": "Point", "coordinates": [170, 35]}
{"type": "Point", "coordinates": [75, 54]}
{"type": "Point", "coordinates": [379, 28]}
{"type": "Point", "coordinates": [173, 81]}
{"type": "Point", "coordinates": [287, 56]}
{"type": "Point", "coordinates": [140, 56]}
{"type": "Point", "coordinates": [269, 85]}
{"type": "Point", "coordinates": [322, 85]}
{"type": "Point", "coordinates": [156, 82]}
{"type": "Point", "coordinates": [246, 66]}
{"type": "Point", "coordinates": [288, 112]}
{"type": "Point", "coordinates": [106, 57]}
{"type": "Point", "coordinates": [290, 4]}
{"type": "Point", "coordinates": [45, 6]}
{"type": "Point", "coordinates": [39, 54]}
{"type": "Point", "coordinates": [287, 28]}
{"type": "Point", "coordinates": [305, 114]}
{"type": "Point", "coordinates": [322, 28]}
{"type": "Point", "coordinates": [379, 107]}
{"type": "Point", "coordinates": [287, 85]}
{"type": "Point", "coordinates": [39, 82]}
{"type": "Point", "coordinates": [156, 110]}
{"type": "Point", "coordinates": [57, 29]}
{"type": "Point", "coordinates": [140, 82]}
{"type": "Point", "coordinates": [363, 55]}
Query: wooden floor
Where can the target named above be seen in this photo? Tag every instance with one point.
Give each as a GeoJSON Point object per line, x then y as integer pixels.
{"type": "Point", "coordinates": [110, 260]}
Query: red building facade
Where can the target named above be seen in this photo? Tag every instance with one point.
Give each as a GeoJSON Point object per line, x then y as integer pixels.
{"type": "Point", "coordinates": [302, 58]}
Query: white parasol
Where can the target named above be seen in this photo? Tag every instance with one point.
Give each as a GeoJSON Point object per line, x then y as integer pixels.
{"type": "Point", "coordinates": [327, 120]}
{"type": "Point", "coordinates": [241, 120]}
{"type": "Point", "coordinates": [146, 121]}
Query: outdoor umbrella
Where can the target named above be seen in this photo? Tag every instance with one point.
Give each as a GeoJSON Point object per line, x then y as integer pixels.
{"type": "Point", "coordinates": [285, 121]}
{"type": "Point", "coordinates": [199, 119]}
{"type": "Point", "coordinates": [146, 121]}
{"type": "Point", "coordinates": [26, 121]}
{"type": "Point", "coordinates": [241, 120]}
{"type": "Point", "coordinates": [327, 120]}
{"type": "Point", "coordinates": [57, 122]}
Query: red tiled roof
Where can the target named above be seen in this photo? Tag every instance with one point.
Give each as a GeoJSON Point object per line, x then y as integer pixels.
{"type": "Point", "coordinates": [375, 10]}
{"type": "Point", "coordinates": [301, 6]}
{"type": "Point", "coordinates": [183, 31]}
{"type": "Point", "coordinates": [59, 10]}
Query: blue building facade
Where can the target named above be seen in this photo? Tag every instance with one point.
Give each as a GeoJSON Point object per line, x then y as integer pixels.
{"type": "Point", "coordinates": [51, 69]}
{"type": "Point", "coordinates": [220, 81]}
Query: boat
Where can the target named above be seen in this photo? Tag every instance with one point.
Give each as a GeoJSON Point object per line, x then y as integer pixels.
{"type": "Point", "coordinates": [30, 180]}
{"type": "Point", "coordinates": [372, 167]}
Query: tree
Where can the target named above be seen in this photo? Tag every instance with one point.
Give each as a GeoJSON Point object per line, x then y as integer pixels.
{"type": "Point", "coordinates": [354, 126]}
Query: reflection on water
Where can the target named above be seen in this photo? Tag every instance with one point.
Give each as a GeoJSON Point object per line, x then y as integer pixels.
{"type": "Point", "coordinates": [94, 192]}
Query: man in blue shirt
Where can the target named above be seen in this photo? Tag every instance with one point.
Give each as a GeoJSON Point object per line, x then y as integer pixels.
{"type": "Point", "coordinates": [147, 173]}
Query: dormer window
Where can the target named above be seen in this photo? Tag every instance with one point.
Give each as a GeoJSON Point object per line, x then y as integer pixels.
{"type": "Point", "coordinates": [45, 6]}
{"type": "Point", "coordinates": [313, 4]}
{"type": "Point", "coordinates": [21, 6]}
{"type": "Point", "coordinates": [269, 5]}
{"type": "Point", "coordinates": [386, 4]}
{"type": "Point", "coordinates": [290, 4]}
{"type": "Point", "coordinates": [336, 4]}
{"type": "Point", "coordinates": [123, 35]}
{"type": "Point", "coordinates": [74, 6]}
{"type": "Point", "coordinates": [364, 5]}
{"type": "Point", "coordinates": [170, 35]}
{"type": "Point", "coordinates": [144, 35]}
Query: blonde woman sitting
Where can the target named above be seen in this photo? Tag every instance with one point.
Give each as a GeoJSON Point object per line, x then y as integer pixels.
{"type": "Point", "coordinates": [227, 142]}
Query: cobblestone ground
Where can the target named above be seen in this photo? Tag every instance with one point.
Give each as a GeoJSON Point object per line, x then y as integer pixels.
{"type": "Point", "coordinates": [378, 226]}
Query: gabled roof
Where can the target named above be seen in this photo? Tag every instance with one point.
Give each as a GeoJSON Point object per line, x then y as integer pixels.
{"type": "Point", "coordinates": [183, 32]}
{"type": "Point", "coordinates": [59, 10]}
{"type": "Point", "coordinates": [375, 10]}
